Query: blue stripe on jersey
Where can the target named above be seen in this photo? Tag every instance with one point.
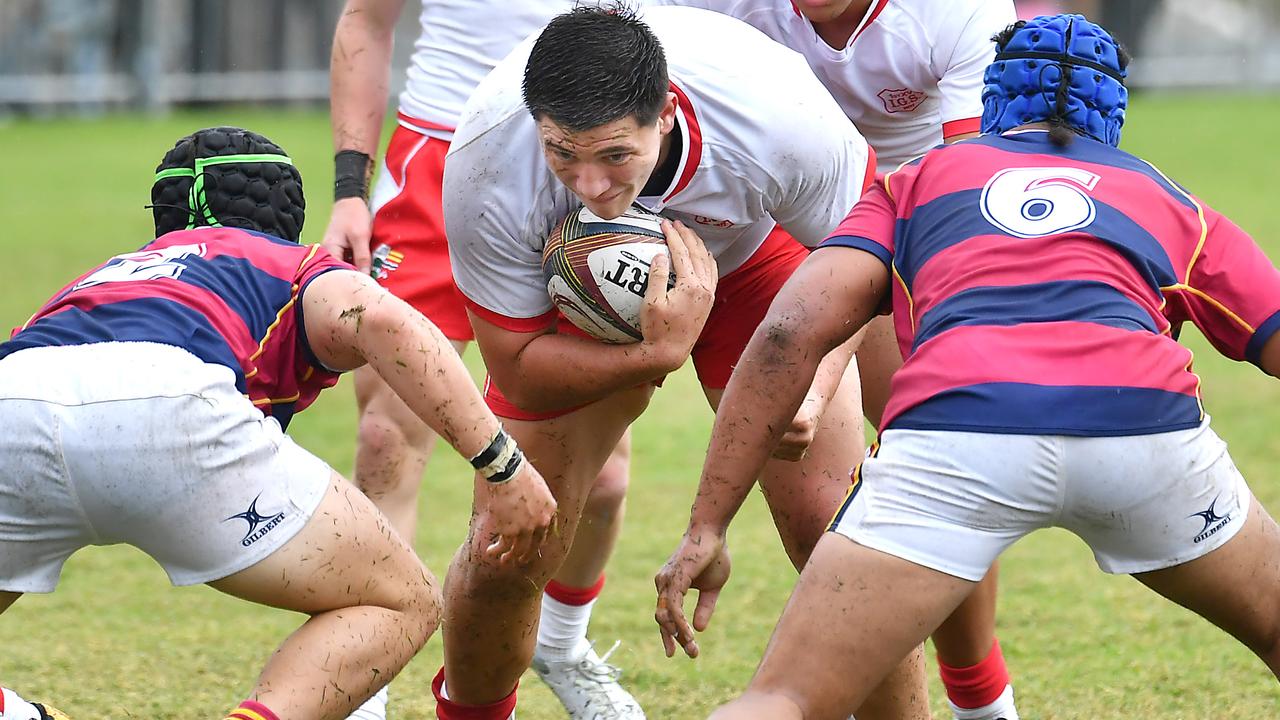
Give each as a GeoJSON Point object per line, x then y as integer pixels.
{"type": "Point", "coordinates": [953, 218]}
{"type": "Point", "coordinates": [1086, 150]}
{"type": "Point", "coordinates": [1025, 409]}
{"type": "Point", "coordinates": [1253, 351]}
{"type": "Point", "coordinates": [151, 319]}
{"type": "Point", "coordinates": [860, 243]}
{"type": "Point", "coordinates": [282, 412]}
{"type": "Point", "coordinates": [1057, 301]}
{"type": "Point", "coordinates": [252, 294]}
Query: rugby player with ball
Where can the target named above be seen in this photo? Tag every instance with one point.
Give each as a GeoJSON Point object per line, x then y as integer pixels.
{"type": "Point", "coordinates": [701, 118]}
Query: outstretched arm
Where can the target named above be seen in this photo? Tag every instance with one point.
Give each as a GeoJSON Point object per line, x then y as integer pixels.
{"type": "Point", "coordinates": [351, 321]}
{"type": "Point", "coordinates": [828, 299]}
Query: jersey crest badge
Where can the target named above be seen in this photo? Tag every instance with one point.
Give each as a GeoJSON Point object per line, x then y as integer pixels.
{"type": "Point", "coordinates": [901, 100]}
{"type": "Point", "coordinates": [704, 220]}
{"type": "Point", "coordinates": [384, 262]}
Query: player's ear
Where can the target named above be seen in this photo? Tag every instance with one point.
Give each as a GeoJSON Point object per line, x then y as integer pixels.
{"type": "Point", "coordinates": [667, 115]}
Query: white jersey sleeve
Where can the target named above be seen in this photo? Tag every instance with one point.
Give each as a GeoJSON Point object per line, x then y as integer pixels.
{"type": "Point", "coordinates": [500, 203]}
{"type": "Point", "coordinates": [960, 56]}
{"type": "Point", "coordinates": [829, 176]}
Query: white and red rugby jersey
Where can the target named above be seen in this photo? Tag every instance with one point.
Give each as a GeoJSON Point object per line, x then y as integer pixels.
{"type": "Point", "coordinates": [762, 142]}
{"type": "Point", "coordinates": [909, 76]}
{"type": "Point", "coordinates": [460, 42]}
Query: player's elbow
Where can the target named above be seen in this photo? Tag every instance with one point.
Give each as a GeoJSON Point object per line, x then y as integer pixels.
{"type": "Point", "coordinates": [781, 336]}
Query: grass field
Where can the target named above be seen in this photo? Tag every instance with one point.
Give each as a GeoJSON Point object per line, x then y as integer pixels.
{"type": "Point", "coordinates": [117, 642]}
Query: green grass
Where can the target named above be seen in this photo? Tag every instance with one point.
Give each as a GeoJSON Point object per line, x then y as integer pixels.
{"type": "Point", "coordinates": [116, 642]}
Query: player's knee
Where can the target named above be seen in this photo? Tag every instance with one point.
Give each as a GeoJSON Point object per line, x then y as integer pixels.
{"type": "Point", "coordinates": [421, 604]}
{"type": "Point", "coordinates": [477, 574]}
{"type": "Point", "coordinates": [384, 447]}
{"type": "Point", "coordinates": [604, 502]}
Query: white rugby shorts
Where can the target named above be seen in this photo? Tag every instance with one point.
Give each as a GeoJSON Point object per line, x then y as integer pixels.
{"type": "Point", "coordinates": [144, 444]}
{"type": "Point", "coordinates": [953, 501]}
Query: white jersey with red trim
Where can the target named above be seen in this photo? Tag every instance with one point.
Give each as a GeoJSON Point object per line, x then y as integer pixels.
{"type": "Point", "coordinates": [910, 74]}
{"type": "Point", "coordinates": [460, 42]}
{"type": "Point", "coordinates": [762, 140]}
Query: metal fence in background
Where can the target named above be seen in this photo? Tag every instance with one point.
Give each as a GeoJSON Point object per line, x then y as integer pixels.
{"type": "Point", "coordinates": [88, 56]}
{"type": "Point", "coordinates": [91, 55]}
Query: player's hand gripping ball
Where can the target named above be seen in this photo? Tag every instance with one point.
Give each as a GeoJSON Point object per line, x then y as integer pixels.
{"type": "Point", "coordinates": [598, 270]}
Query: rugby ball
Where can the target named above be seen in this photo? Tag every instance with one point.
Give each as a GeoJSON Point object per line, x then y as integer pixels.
{"type": "Point", "coordinates": [597, 270]}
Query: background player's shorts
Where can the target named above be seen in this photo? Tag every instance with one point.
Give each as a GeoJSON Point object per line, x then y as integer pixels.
{"type": "Point", "coordinates": [143, 444]}
{"type": "Point", "coordinates": [742, 300]}
{"type": "Point", "coordinates": [410, 254]}
{"type": "Point", "coordinates": [953, 501]}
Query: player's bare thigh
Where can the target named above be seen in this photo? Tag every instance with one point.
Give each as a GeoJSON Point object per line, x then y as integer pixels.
{"type": "Point", "coordinates": [347, 554]}
{"type": "Point", "coordinates": [1236, 586]}
{"type": "Point", "coordinates": [854, 615]}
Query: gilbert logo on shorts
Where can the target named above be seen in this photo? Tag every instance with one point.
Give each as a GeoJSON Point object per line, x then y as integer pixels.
{"type": "Point", "coordinates": [259, 525]}
{"type": "Point", "coordinates": [1213, 522]}
{"type": "Point", "coordinates": [901, 100]}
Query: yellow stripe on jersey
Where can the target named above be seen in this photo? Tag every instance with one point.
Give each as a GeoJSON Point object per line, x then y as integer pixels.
{"type": "Point", "coordinates": [1204, 226]}
{"type": "Point", "coordinates": [1210, 299]}
{"type": "Point", "coordinates": [911, 305]}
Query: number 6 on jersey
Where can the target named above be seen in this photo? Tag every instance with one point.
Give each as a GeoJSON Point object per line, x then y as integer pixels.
{"type": "Point", "coordinates": [1038, 201]}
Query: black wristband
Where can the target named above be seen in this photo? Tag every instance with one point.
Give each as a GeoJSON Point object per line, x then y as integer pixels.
{"type": "Point", "coordinates": [351, 169]}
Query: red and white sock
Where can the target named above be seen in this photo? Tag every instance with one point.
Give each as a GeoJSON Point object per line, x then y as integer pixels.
{"type": "Point", "coordinates": [250, 710]}
{"type": "Point", "coordinates": [446, 709]}
{"type": "Point", "coordinates": [562, 628]}
{"type": "Point", "coordinates": [977, 690]}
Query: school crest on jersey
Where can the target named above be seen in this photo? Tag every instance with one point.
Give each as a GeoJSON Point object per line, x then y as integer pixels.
{"type": "Point", "coordinates": [704, 220]}
{"type": "Point", "coordinates": [384, 261]}
{"type": "Point", "coordinates": [901, 100]}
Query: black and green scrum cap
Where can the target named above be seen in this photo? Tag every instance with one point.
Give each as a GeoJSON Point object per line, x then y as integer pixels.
{"type": "Point", "coordinates": [228, 177]}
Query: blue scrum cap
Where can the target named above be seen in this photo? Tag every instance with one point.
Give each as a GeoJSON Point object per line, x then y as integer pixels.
{"type": "Point", "coordinates": [1059, 67]}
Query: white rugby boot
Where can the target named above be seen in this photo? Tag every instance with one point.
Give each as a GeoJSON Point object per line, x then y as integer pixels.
{"type": "Point", "coordinates": [588, 686]}
{"type": "Point", "coordinates": [13, 707]}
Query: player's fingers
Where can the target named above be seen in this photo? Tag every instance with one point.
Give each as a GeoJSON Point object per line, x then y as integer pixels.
{"type": "Point", "coordinates": [668, 643]}
{"type": "Point", "coordinates": [666, 627]}
{"type": "Point", "coordinates": [360, 255]}
{"type": "Point", "coordinates": [534, 548]}
{"type": "Point", "coordinates": [700, 260]}
{"type": "Point", "coordinates": [789, 450]}
{"type": "Point", "coordinates": [520, 544]}
{"type": "Point", "coordinates": [678, 245]}
{"type": "Point", "coordinates": [680, 629]}
{"type": "Point", "coordinates": [334, 247]}
{"type": "Point", "coordinates": [705, 608]}
{"type": "Point", "coordinates": [659, 272]}
{"type": "Point", "coordinates": [497, 548]}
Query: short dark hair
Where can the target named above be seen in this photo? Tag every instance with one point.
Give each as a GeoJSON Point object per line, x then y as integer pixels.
{"type": "Point", "coordinates": [1061, 132]}
{"type": "Point", "coordinates": [258, 189]}
{"type": "Point", "coordinates": [594, 65]}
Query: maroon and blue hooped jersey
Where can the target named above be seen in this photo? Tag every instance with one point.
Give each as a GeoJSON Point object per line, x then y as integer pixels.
{"type": "Point", "coordinates": [225, 295]}
{"type": "Point", "coordinates": [1039, 289]}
